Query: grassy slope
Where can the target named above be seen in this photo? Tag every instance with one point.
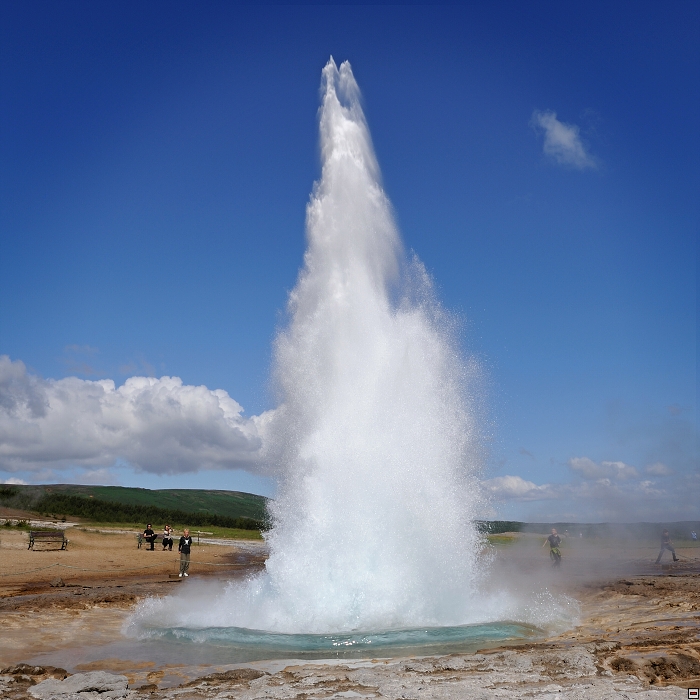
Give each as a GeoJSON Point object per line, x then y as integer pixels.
{"type": "Point", "coordinates": [230, 503]}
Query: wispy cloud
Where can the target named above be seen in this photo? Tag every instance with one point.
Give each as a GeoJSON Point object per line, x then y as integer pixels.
{"type": "Point", "coordinates": [155, 425]}
{"type": "Point", "coordinates": [562, 142]}
{"type": "Point", "coordinates": [81, 349]}
{"type": "Point", "coordinates": [516, 488]}
{"type": "Point", "coordinates": [658, 469]}
{"type": "Point", "coordinates": [138, 366]}
{"type": "Point", "coordinates": [79, 359]}
{"type": "Point", "coordinates": [588, 469]}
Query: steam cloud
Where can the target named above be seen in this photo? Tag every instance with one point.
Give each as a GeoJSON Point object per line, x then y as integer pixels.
{"type": "Point", "coordinates": [156, 425]}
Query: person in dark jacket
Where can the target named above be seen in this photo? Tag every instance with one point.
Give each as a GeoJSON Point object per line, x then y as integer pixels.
{"type": "Point", "coordinates": [184, 549]}
{"type": "Point", "coordinates": [150, 536]}
{"type": "Point", "coordinates": [666, 544]}
{"type": "Point", "coordinates": [554, 552]}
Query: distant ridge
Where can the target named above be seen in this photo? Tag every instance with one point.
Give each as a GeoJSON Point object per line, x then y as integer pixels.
{"type": "Point", "coordinates": [230, 504]}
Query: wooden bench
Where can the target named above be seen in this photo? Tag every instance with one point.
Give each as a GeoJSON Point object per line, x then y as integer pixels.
{"type": "Point", "coordinates": [141, 539]}
{"type": "Point", "coordinates": [55, 537]}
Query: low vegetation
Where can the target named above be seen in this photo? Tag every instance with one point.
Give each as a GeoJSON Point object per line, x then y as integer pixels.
{"type": "Point", "coordinates": [143, 506]}
{"type": "Point", "coordinates": [98, 510]}
{"type": "Point", "coordinates": [232, 504]}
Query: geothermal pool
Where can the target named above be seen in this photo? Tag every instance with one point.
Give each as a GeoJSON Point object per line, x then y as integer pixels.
{"type": "Point", "coordinates": [231, 645]}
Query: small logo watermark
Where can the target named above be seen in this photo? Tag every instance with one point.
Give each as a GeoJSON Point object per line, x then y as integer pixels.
{"type": "Point", "coordinates": [693, 693]}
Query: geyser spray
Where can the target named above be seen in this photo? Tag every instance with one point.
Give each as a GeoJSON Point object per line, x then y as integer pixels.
{"type": "Point", "coordinates": [374, 436]}
{"type": "Point", "coordinates": [374, 440]}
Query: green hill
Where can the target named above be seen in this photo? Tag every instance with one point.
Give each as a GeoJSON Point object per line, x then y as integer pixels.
{"type": "Point", "coordinates": [230, 504]}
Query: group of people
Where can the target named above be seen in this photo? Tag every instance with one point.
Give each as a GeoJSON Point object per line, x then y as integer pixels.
{"type": "Point", "coordinates": [554, 540]}
{"type": "Point", "coordinates": [184, 546]}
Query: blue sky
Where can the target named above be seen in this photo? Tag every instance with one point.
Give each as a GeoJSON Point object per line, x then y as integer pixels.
{"type": "Point", "coordinates": [542, 162]}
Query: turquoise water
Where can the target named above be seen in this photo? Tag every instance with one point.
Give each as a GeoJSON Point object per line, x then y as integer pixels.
{"type": "Point", "coordinates": [199, 649]}
{"type": "Point", "coordinates": [240, 645]}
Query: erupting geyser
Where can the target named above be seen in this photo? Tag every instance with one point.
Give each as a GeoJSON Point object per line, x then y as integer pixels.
{"type": "Point", "coordinates": [374, 438]}
{"type": "Point", "coordinates": [374, 434]}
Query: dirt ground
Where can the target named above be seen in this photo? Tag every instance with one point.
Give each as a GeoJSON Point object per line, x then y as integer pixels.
{"type": "Point", "coordinates": [638, 635]}
{"type": "Point", "coordinates": [98, 558]}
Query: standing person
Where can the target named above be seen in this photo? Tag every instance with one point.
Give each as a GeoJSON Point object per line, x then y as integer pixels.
{"type": "Point", "coordinates": [666, 544]}
{"type": "Point", "coordinates": [554, 541]}
{"type": "Point", "coordinates": [150, 536]}
{"type": "Point", "coordinates": [168, 538]}
{"type": "Point", "coordinates": [184, 549]}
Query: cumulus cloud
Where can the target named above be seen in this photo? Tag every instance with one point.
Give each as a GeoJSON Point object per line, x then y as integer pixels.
{"type": "Point", "coordinates": [562, 142]}
{"type": "Point", "coordinates": [15, 482]}
{"type": "Point", "coordinates": [156, 425]}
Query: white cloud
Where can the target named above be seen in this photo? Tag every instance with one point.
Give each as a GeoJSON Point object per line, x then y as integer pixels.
{"type": "Point", "coordinates": [620, 471]}
{"type": "Point", "coordinates": [156, 425]}
{"type": "Point", "coordinates": [17, 482]}
{"type": "Point", "coordinates": [562, 142]}
{"type": "Point", "coordinates": [516, 488]}
{"type": "Point", "coordinates": [588, 469]}
{"type": "Point", "coordinates": [658, 469]}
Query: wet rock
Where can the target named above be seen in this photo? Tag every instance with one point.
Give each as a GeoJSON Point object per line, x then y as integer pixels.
{"type": "Point", "coordinates": [148, 688]}
{"type": "Point", "coordinates": [23, 669]}
{"type": "Point", "coordinates": [96, 685]}
{"type": "Point", "coordinates": [26, 675]}
{"type": "Point", "coordinates": [672, 667]}
{"type": "Point", "coordinates": [622, 664]}
{"type": "Point", "coordinates": [237, 675]}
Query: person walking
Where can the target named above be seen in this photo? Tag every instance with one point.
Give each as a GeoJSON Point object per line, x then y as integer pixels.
{"type": "Point", "coordinates": [554, 541]}
{"type": "Point", "coordinates": [666, 544]}
{"type": "Point", "coordinates": [184, 549]}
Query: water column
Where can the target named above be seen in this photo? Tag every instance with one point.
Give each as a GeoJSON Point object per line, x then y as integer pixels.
{"type": "Point", "coordinates": [374, 437]}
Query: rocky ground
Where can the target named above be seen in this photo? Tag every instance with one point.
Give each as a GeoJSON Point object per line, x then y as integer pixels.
{"type": "Point", "coordinates": [638, 637]}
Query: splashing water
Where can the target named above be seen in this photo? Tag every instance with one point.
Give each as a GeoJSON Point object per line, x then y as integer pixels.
{"type": "Point", "coordinates": [374, 434]}
{"type": "Point", "coordinates": [375, 437]}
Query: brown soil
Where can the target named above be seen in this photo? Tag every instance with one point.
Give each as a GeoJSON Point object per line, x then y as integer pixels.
{"type": "Point", "coordinates": [100, 561]}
